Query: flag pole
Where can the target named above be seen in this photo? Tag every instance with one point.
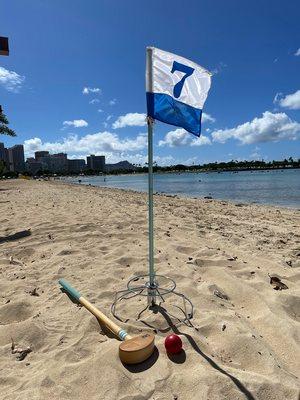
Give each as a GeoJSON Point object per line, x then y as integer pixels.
{"type": "Point", "coordinates": [150, 202]}
{"type": "Point", "coordinates": [150, 122]}
{"type": "Point", "coordinates": [152, 285]}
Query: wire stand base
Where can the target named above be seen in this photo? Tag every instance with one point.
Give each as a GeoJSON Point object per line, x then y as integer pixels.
{"type": "Point", "coordinates": [161, 299]}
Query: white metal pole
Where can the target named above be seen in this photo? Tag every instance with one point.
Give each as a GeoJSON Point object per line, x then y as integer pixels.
{"type": "Point", "coordinates": [150, 202]}
{"type": "Point", "coordinates": [149, 85]}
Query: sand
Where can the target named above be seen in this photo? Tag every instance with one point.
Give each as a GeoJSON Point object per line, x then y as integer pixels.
{"type": "Point", "coordinates": [242, 347]}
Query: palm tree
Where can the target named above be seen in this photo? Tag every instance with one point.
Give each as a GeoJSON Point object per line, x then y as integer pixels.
{"type": "Point", "coordinates": [4, 129]}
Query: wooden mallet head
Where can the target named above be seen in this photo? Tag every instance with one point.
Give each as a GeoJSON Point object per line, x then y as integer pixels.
{"type": "Point", "coordinates": [132, 350]}
{"type": "Point", "coordinates": [136, 349]}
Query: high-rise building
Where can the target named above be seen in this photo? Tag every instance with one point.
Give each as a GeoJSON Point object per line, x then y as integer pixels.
{"type": "Point", "coordinates": [16, 158]}
{"type": "Point", "coordinates": [96, 163]}
{"type": "Point", "coordinates": [4, 156]}
{"type": "Point", "coordinates": [60, 162]}
{"type": "Point", "coordinates": [56, 163]}
{"type": "Point", "coordinates": [39, 154]}
{"type": "Point", "coordinates": [2, 151]}
{"type": "Point", "coordinates": [33, 166]}
{"type": "Point", "coordinates": [76, 165]}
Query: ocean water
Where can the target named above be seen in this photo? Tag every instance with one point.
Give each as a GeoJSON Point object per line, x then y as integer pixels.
{"type": "Point", "coordinates": [279, 187]}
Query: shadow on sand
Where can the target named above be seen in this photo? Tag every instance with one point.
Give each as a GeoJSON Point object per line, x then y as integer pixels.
{"type": "Point", "coordinates": [15, 236]}
{"type": "Point", "coordinates": [194, 345]}
{"type": "Point", "coordinates": [143, 366]}
{"type": "Point", "coordinates": [177, 358]}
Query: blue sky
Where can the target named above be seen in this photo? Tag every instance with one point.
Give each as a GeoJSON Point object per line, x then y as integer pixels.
{"type": "Point", "coordinates": [75, 77]}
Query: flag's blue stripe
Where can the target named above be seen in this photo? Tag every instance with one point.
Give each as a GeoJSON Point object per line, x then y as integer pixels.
{"type": "Point", "coordinates": [166, 109]}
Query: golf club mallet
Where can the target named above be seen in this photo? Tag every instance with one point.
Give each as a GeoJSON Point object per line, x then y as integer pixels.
{"type": "Point", "coordinates": [132, 350]}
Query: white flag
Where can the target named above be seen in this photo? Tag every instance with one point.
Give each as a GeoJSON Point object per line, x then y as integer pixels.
{"type": "Point", "coordinates": [176, 89]}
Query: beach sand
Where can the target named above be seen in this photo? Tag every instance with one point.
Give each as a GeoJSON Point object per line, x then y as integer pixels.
{"type": "Point", "coordinates": [242, 347]}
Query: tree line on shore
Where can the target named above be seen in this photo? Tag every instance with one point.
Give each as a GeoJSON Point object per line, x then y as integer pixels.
{"type": "Point", "coordinates": [233, 165]}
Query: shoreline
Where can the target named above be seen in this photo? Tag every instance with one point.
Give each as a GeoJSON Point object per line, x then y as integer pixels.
{"type": "Point", "coordinates": [182, 196]}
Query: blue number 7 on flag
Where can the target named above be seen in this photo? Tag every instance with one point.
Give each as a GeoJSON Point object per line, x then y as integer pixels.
{"type": "Point", "coordinates": [181, 68]}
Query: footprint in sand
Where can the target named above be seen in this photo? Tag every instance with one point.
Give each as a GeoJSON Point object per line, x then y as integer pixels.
{"type": "Point", "coordinates": [291, 305]}
{"type": "Point", "coordinates": [15, 312]}
{"type": "Point", "coordinates": [201, 262]}
{"type": "Point", "coordinates": [126, 261]}
{"type": "Point", "coordinates": [25, 254]}
{"type": "Point", "coordinates": [65, 252]}
{"type": "Point", "coordinates": [185, 249]}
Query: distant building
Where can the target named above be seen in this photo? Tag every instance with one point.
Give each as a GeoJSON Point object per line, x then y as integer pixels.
{"type": "Point", "coordinates": [122, 165]}
{"type": "Point", "coordinates": [39, 154]}
{"type": "Point", "coordinates": [16, 158]}
{"type": "Point", "coordinates": [4, 155]}
{"type": "Point", "coordinates": [33, 166]}
{"type": "Point", "coordinates": [55, 163]}
{"type": "Point", "coordinates": [76, 165]}
{"type": "Point", "coordinates": [61, 162]}
{"type": "Point", "coordinates": [47, 163]}
{"type": "Point", "coordinates": [2, 151]}
{"type": "Point", "coordinates": [96, 163]}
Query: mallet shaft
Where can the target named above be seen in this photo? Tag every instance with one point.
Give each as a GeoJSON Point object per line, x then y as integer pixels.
{"type": "Point", "coordinates": [121, 333]}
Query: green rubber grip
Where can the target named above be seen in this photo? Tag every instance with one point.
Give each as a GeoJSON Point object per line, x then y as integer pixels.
{"type": "Point", "coordinates": [73, 292]}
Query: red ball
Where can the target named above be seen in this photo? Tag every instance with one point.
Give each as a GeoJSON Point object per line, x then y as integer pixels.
{"type": "Point", "coordinates": [173, 344]}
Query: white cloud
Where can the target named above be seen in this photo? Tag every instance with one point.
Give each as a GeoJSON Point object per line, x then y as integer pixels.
{"type": "Point", "coordinates": [88, 144]}
{"type": "Point", "coordinates": [32, 145]}
{"type": "Point", "coordinates": [170, 160]}
{"type": "Point", "coordinates": [176, 138]}
{"type": "Point", "coordinates": [77, 123]}
{"type": "Point", "coordinates": [112, 102]}
{"type": "Point", "coordinates": [10, 80]}
{"type": "Point", "coordinates": [163, 160]}
{"type": "Point", "coordinates": [105, 123]}
{"type": "Point", "coordinates": [200, 141]}
{"type": "Point", "coordinates": [255, 155]}
{"type": "Point", "coordinates": [100, 110]}
{"type": "Point", "coordinates": [290, 101]}
{"type": "Point", "coordinates": [88, 90]}
{"type": "Point", "coordinates": [71, 146]}
{"type": "Point", "coordinates": [297, 53]}
{"type": "Point", "coordinates": [94, 101]}
{"type": "Point", "coordinates": [101, 144]}
{"type": "Point", "coordinates": [180, 137]}
{"type": "Point", "coordinates": [137, 119]}
{"type": "Point", "coordinates": [219, 68]}
{"type": "Point", "coordinates": [271, 127]}
{"type": "Point", "coordinates": [142, 159]}
{"type": "Point", "coordinates": [277, 97]}
{"type": "Point", "coordinates": [207, 118]}
{"type": "Point", "coordinates": [133, 158]}
{"type": "Point", "coordinates": [130, 119]}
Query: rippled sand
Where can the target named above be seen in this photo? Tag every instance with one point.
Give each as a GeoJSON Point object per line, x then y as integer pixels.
{"type": "Point", "coordinates": [242, 347]}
